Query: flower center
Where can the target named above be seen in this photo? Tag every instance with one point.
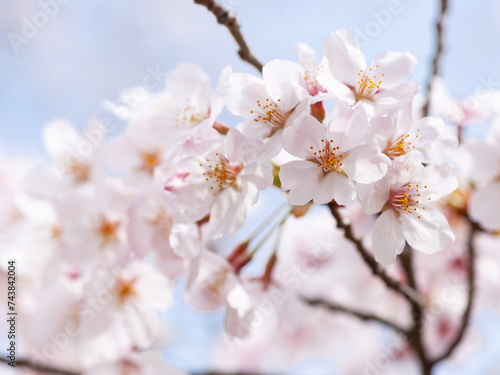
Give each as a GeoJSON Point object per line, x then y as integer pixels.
{"type": "Point", "coordinates": [108, 230]}
{"type": "Point", "coordinates": [188, 116]}
{"type": "Point", "coordinates": [150, 160]}
{"type": "Point", "coordinates": [368, 84]}
{"type": "Point", "coordinates": [400, 147]}
{"type": "Point", "coordinates": [222, 173]}
{"type": "Point", "coordinates": [216, 284]}
{"type": "Point", "coordinates": [328, 157]}
{"type": "Point", "coordinates": [409, 198]}
{"type": "Point", "coordinates": [308, 80]}
{"type": "Point", "coordinates": [163, 222]}
{"type": "Point", "coordinates": [270, 114]}
{"type": "Point", "coordinates": [125, 289]}
{"type": "Point", "coordinates": [80, 171]}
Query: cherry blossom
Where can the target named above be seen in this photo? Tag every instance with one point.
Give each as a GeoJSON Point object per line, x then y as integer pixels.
{"type": "Point", "coordinates": [331, 162]}
{"type": "Point", "coordinates": [405, 196]}
{"type": "Point", "coordinates": [218, 176]}
{"type": "Point", "coordinates": [397, 134]}
{"type": "Point", "coordinates": [268, 105]}
{"type": "Point", "coordinates": [380, 85]}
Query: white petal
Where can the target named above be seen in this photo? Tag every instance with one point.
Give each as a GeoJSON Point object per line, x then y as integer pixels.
{"type": "Point", "coordinates": [387, 237]}
{"type": "Point", "coordinates": [484, 206]}
{"type": "Point", "coordinates": [429, 233]}
{"type": "Point", "coordinates": [228, 213]}
{"type": "Point", "coordinates": [301, 178]}
{"type": "Point", "coordinates": [345, 57]}
{"type": "Point", "coordinates": [306, 133]}
{"type": "Point", "coordinates": [397, 67]}
{"type": "Point", "coordinates": [344, 191]}
{"type": "Point", "coordinates": [365, 163]}
{"type": "Point", "coordinates": [376, 196]}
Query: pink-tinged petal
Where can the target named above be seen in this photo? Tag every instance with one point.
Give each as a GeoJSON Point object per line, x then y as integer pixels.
{"type": "Point", "coordinates": [478, 160]}
{"type": "Point", "coordinates": [305, 53]}
{"type": "Point", "coordinates": [344, 191]}
{"type": "Point", "coordinates": [438, 179]}
{"type": "Point", "coordinates": [189, 81]}
{"type": "Point", "coordinates": [387, 238]}
{"type": "Point", "coordinates": [240, 148]}
{"type": "Point", "coordinates": [336, 90]}
{"type": "Point", "coordinates": [345, 57]}
{"type": "Point", "coordinates": [122, 153]}
{"type": "Point", "coordinates": [301, 178]}
{"type": "Point", "coordinates": [375, 196]}
{"type": "Point", "coordinates": [307, 132]}
{"type": "Point", "coordinates": [484, 206]}
{"type": "Point", "coordinates": [397, 67]}
{"type": "Point", "coordinates": [352, 121]}
{"type": "Point", "coordinates": [427, 231]}
{"type": "Point", "coordinates": [260, 175]}
{"type": "Point", "coordinates": [59, 137]}
{"type": "Point", "coordinates": [272, 147]}
{"type": "Point", "coordinates": [209, 282]}
{"type": "Point", "coordinates": [239, 304]}
{"type": "Point", "coordinates": [233, 95]}
{"type": "Point", "coordinates": [228, 213]}
{"type": "Point", "coordinates": [397, 95]}
{"type": "Point", "coordinates": [324, 190]}
{"type": "Point", "coordinates": [434, 141]}
{"type": "Point", "coordinates": [282, 82]}
{"type": "Point", "coordinates": [185, 240]}
{"type": "Point", "coordinates": [365, 163]}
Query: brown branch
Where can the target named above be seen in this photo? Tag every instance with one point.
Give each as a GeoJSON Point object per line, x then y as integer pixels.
{"type": "Point", "coordinates": [38, 368]}
{"type": "Point", "coordinates": [410, 294]}
{"type": "Point", "coordinates": [334, 307]}
{"type": "Point", "coordinates": [437, 55]}
{"type": "Point", "coordinates": [230, 21]}
{"type": "Point", "coordinates": [50, 370]}
{"type": "Point", "coordinates": [471, 281]}
{"type": "Point", "coordinates": [415, 338]}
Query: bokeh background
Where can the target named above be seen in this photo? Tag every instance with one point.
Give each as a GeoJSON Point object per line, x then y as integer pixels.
{"type": "Point", "coordinates": [88, 51]}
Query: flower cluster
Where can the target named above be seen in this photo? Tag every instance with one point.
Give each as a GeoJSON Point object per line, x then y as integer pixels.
{"type": "Point", "coordinates": [113, 223]}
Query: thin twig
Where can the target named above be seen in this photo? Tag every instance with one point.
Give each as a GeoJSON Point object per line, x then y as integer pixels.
{"type": "Point", "coordinates": [49, 370]}
{"type": "Point", "coordinates": [358, 314]}
{"type": "Point", "coordinates": [437, 55]}
{"type": "Point", "coordinates": [410, 294]}
{"type": "Point", "coordinates": [230, 21]}
{"type": "Point", "coordinates": [415, 338]}
{"type": "Point", "coordinates": [471, 281]}
{"type": "Point", "coordinates": [38, 368]}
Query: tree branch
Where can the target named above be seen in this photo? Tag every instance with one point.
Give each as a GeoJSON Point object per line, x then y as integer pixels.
{"type": "Point", "coordinates": [50, 370]}
{"type": "Point", "coordinates": [230, 21]}
{"type": "Point", "coordinates": [358, 314]}
{"type": "Point", "coordinates": [471, 281]}
{"type": "Point", "coordinates": [415, 337]}
{"type": "Point", "coordinates": [410, 294]}
{"type": "Point", "coordinates": [437, 55]}
{"type": "Point", "coordinates": [38, 368]}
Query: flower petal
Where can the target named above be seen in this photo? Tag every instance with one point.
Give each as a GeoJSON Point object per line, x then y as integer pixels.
{"type": "Point", "coordinates": [387, 238]}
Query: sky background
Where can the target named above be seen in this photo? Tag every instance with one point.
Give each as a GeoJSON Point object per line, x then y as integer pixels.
{"type": "Point", "coordinates": [91, 50]}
